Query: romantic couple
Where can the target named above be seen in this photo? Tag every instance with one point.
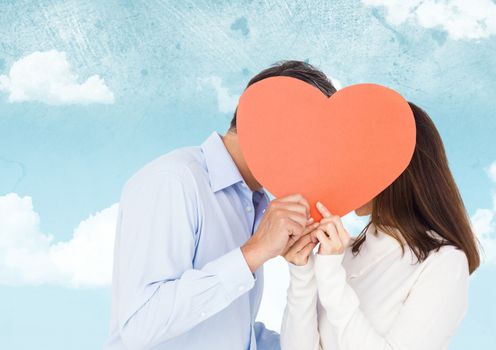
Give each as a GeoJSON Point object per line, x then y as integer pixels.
{"type": "Point", "coordinates": [195, 228]}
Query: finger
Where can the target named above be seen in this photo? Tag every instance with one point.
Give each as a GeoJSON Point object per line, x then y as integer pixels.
{"type": "Point", "coordinates": [293, 206]}
{"type": "Point", "coordinates": [294, 217]}
{"type": "Point", "coordinates": [314, 236]}
{"type": "Point", "coordinates": [298, 198]}
{"type": "Point", "coordinates": [328, 227]}
{"type": "Point", "coordinates": [322, 237]}
{"type": "Point", "coordinates": [295, 230]}
{"type": "Point", "coordinates": [337, 226]}
{"type": "Point", "coordinates": [323, 210]}
{"type": "Point", "coordinates": [301, 243]}
{"type": "Point", "coordinates": [291, 241]}
{"type": "Point", "coordinates": [335, 241]}
{"type": "Point", "coordinates": [343, 234]}
{"type": "Point", "coordinates": [310, 228]}
{"type": "Point", "coordinates": [286, 249]}
{"type": "Point", "coordinates": [305, 252]}
{"type": "Point", "coordinates": [301, 221]}
{"type": "Point", "coordinates": [326, 220]}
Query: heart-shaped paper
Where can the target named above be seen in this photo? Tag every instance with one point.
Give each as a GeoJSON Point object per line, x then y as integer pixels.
{"type": "Point", "coordinates": [342, 150]}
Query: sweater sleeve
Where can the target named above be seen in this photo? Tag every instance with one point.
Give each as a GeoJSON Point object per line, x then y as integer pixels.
{"type": "Point", "coordinates": [429, 316]}
{"type": "Point", "coordinates": [299, 329]}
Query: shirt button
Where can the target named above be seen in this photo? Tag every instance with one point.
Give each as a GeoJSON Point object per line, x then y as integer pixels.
{"type": "Point", "coordinates": [248, 209]}
{"type": "Point", "coordinates": [203, 315]}
{"type": "Point", "coordinates": [241, 288]}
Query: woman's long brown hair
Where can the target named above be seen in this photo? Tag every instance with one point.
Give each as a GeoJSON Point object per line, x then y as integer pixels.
{"type": "Point", "coordinates": [424, 198]}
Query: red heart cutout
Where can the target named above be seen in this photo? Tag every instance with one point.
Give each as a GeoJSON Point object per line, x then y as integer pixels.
{"type": "Point", "coordinates": [342, 150]}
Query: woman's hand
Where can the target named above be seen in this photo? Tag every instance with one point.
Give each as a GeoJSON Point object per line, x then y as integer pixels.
{"type": "Point", "coordinates": [299, 252]}
{"type": "Point", "coordinates": [331, 234]}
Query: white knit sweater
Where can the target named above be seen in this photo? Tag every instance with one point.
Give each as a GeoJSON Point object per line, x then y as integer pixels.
{"type": "Point", "coordinates": [376, 300]}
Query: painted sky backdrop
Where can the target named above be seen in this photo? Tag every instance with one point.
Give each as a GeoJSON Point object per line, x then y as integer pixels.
{"type": "Point", "coordinates": [90, 91]}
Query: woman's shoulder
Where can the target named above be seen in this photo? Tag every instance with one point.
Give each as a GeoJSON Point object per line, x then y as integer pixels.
{"type": "Point", "coordinates": [448, 252]}
{"type": "Point", "coordinates": [447, 259]}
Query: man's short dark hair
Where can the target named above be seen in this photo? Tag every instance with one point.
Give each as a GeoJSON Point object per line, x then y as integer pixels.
{"type": "Point", "coordinates": [295, 69]}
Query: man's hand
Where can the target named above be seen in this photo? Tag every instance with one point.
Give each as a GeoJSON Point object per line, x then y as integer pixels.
{"type": "Point", "coordinates": [283, 224]}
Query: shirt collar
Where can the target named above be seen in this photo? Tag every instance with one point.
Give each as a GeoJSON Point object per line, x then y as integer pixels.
{"type": "Point", "coordinates": [221, 168]}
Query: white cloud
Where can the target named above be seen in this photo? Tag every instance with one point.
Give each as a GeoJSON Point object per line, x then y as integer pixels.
{"type": "Point", "coordinates": [484, 224]}
{"type": "Point", "coordinates": [47, 77]}
{"type": "Point", "coordinates": [28, 256]}
{"type": "Point", "coordinates": [226, 101]}
{"type": "Point", "coordinates": [461, 19]}
{"type": "Point", "coordinates": [337, 84]}
{"type": "Point", "coordinates": [492, 172]}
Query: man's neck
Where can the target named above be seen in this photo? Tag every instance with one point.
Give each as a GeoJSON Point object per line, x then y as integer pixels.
{"type": "Point", "coordinates": [231, 143]}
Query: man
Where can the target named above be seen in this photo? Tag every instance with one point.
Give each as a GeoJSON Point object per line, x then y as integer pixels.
{"type": "Point", "coordinates": [193, 232]}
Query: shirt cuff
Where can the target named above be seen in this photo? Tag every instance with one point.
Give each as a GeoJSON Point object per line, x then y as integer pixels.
{"type": "Point", "coordinates": [300, 270]}
{"type": "Point", "coordinates": [329, 269]}
{"type": "Point", "coordinates": [233, 271]}
{"type": "Point", "coordinates": [336, 296]}
{"type": "Point", "coordinates": [325, 264]}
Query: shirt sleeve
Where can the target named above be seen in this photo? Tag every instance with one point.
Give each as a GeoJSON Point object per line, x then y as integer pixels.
{"type": "Point", "coordinates": [299, 330]}
{"type": "Point", "coordinates": [159, 293]}
{"type": "Point", "coordinates": [429, 316]}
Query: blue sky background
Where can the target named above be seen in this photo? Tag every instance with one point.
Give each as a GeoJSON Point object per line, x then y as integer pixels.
{"type": "Point", "coordinates": [175, 70]}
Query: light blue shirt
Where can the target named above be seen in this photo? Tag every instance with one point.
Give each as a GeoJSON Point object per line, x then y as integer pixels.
{"type": "Point", "coordinates": [180, 281]}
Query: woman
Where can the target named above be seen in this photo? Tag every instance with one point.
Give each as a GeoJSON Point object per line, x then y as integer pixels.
{"type": "Point", "coordinates": [403, 282]}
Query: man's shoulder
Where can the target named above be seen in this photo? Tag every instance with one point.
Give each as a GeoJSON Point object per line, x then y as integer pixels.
{"type": "Point", "coordinates": [183, 164]}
